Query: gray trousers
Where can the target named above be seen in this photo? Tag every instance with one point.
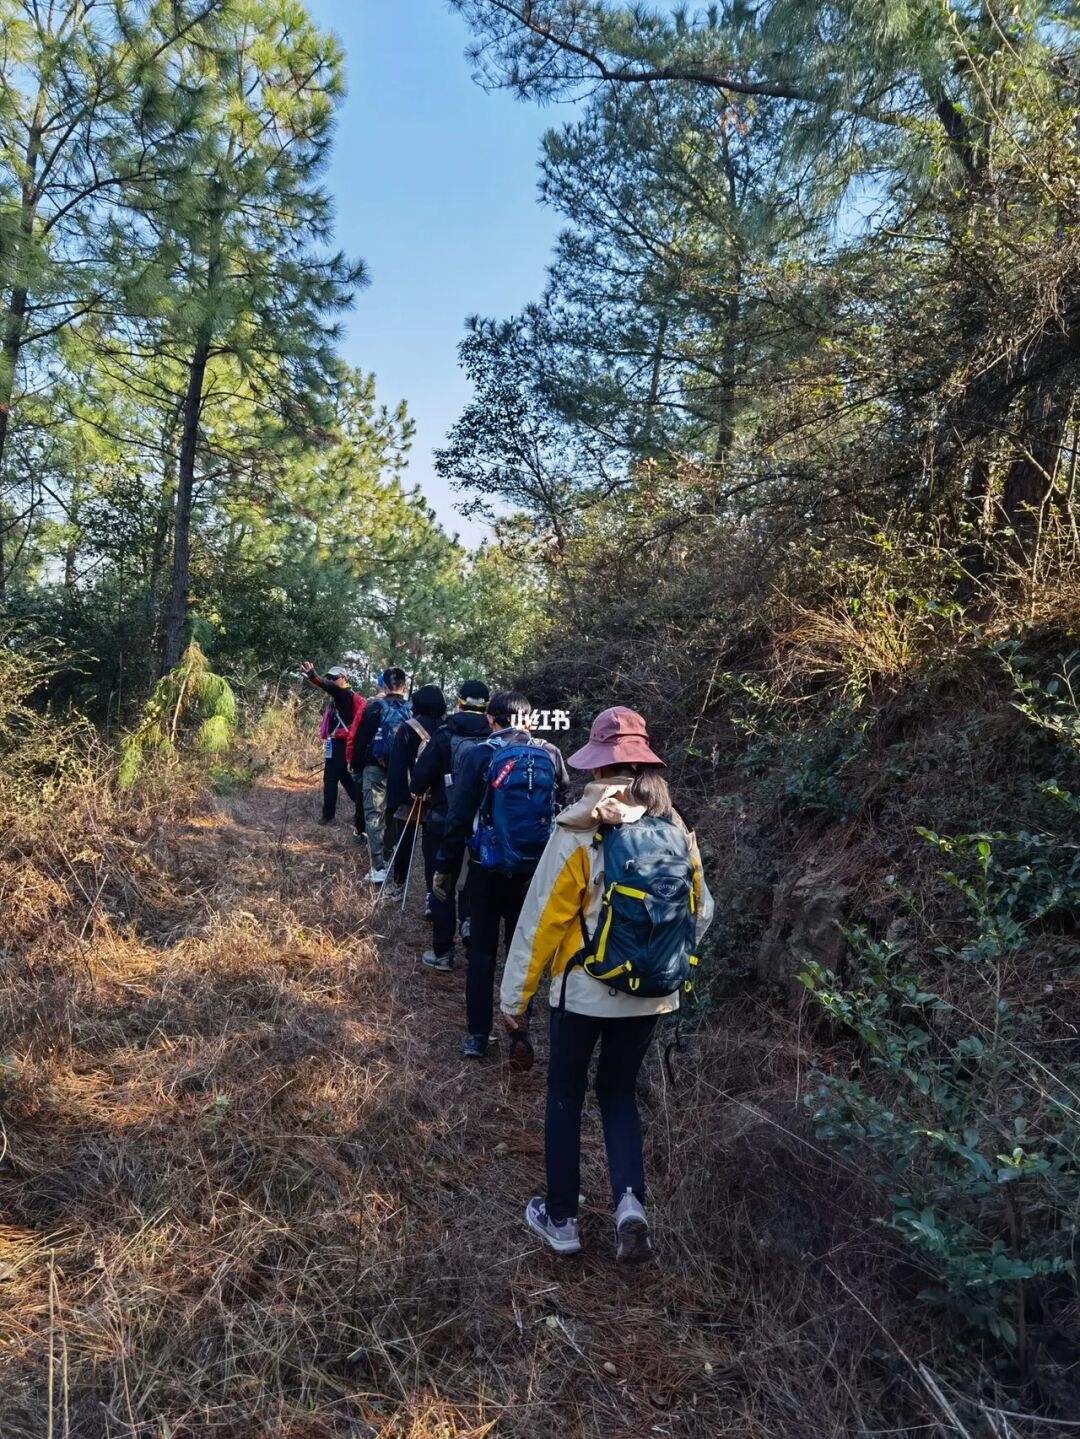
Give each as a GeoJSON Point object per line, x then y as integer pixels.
{"type": "Point", "coordinates": [375, 813]}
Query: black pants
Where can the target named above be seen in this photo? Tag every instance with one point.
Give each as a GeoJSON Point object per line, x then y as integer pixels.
{"type": "Point", "coordinates": [444, 913]}
{"type": "Point", "coordinates": [623, 1046]}
{"type": "Point", "coordinates": [429, 843]}
{"type": "Point", "coordinates": [397, 830]}
{"type": "Point", "coordinates": [336, 772]}
{"type": "Point", "coordinates": [495, 902]}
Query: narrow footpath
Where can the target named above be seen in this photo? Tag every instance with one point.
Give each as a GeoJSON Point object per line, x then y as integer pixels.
{"type": "Point", "coordinates": [495, 1326]}
{"type": "Point", "coordinates": [254, 1190]}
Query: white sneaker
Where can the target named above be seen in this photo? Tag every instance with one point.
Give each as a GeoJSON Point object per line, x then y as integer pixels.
{"type": "Point", "coordinates": [563, 1235]}
{"type": "Point", "coordinates": [632, 1242]}
{"type": "Point", "coordinates": [444, 963]}
{"type": "Point", "coordinates": [377, 876]}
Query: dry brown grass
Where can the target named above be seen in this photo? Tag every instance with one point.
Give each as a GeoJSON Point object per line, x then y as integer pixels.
{"type": "Point", "coordinates": [249, 1188]}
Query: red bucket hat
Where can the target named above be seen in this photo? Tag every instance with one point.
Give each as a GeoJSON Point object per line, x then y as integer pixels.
{"type": "Point", "coordinates": [618, 736]}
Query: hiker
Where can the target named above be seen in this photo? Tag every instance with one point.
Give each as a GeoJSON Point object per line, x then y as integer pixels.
{"type": "Point", "coordinates": [615, 911]}
{"type": "Point", "coordinates": [411, 740]}
{"type": "Point", "coordinates": [437, 771]}
{"type": "Point", "coordinates": [342, 710]}
{"type": "Point", "coordinates": [503, 807]}
{"type": "Point", "coordinates": [371, 757]}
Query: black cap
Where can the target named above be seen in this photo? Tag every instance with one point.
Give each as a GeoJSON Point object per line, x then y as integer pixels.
{"type": "Point", "coordinates": [429, 700]}
{"type": "Point", "coordinates": [473, 694]}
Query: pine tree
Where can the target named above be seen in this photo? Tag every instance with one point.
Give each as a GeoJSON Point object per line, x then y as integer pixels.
{"type": "Point", "coordinates": [954, 122]}
{"type": "Point", "coordinates": [240, 292]}
{"type": "Point", "coordinates": [74, 79]}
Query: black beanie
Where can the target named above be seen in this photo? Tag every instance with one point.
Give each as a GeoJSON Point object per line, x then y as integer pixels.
{"type": "Point", "coordinates": [473, 694]}
{"type": "Point", "coordinates": [429, 700]}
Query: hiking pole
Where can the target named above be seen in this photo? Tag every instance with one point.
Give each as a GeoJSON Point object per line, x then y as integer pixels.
{"type": "Point", "coordinates": [390, 861]}
{"type": "Point", "coordinates": [412, 856]}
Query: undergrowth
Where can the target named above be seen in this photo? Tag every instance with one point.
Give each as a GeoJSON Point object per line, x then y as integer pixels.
{"type": "Point", "coordinates": [964, 1090]}
{"type": "Point", "coordinates": [886, 782]}
{"type": "Point", "coordinates": [249, 1187]}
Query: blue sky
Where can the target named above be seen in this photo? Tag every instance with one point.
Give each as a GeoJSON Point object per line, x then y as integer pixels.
{"type": "Point", "coordinates": [435, 187]}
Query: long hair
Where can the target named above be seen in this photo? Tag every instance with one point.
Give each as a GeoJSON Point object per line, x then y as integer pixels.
{"type": "Point", "coordinates": [648, 788]}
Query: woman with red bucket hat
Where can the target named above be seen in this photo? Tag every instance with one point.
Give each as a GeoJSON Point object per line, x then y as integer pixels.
{"type": "Point", "coordinates": [614, 914]}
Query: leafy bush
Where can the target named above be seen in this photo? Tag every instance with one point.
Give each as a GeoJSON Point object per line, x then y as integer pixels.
{"type": "Point", "coordinates": [39, 750]}
{"type": "Point", "coordinates": [975, 1132]}
{"type": "Point", "coordinates": [977, 1144]}
{"type": "Point", "coordinates": [815, 780]}
{"type": "Point", "coordinates": [190, 706]}
{"type": "Point", "coordinates": [808, 754]}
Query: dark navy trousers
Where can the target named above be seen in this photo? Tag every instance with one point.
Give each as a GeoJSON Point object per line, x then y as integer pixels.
{"type": "Point", "coordinates": [623, 1046]}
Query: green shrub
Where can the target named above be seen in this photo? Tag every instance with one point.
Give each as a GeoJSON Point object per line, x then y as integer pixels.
{"type": "Point", "coordinates": [974, 1135]}
{"type": "Point", "coordinates": [190, 707]}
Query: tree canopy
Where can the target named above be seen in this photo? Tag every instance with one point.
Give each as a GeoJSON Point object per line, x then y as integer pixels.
{"type": "Point", "coordinates": [183, 454]}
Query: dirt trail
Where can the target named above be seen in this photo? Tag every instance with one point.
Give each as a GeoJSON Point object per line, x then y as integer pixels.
{"type": "Point", "coordinates": [554, 1342]}
{"type": "Point", "coordinates": [253, 1189]}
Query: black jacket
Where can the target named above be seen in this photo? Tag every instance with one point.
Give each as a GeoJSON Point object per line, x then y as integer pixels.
{"type": "Point", "coordinates": [402, 759]}
{"type": "Point", "coordinates": [342, 698]}
{"type": "Point", "coordinates": [468, 793]}
{"type": "Point", "coordinates": [366, 733]}
{"type": "Point", "coordinates": [433, 766]}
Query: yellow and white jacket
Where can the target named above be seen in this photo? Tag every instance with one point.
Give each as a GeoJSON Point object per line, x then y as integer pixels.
{"type": "Point", "coordinates": [569, 883]}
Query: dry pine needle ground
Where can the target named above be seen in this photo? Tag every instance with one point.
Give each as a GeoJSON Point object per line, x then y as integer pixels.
{"type": "Point", "coordinates": [249, 1188]}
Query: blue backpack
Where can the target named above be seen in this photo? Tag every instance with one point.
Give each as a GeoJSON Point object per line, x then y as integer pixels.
{"type": "Point", "coordinates": [517, 812]}
{"type": "Point", "coordinates": [395, 711]}
{"type": "Point", "coordinates": [644, 938]}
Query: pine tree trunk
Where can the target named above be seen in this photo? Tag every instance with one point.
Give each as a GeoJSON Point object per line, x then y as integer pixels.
{"type": "Point", "coordinates": [71, 545]}
{"type": "Point", "coordinates": [725, 410]}
{"type": "Point", "coordinates": [15, 320]}
{"type": "Point", "coordinates": [13, 332]}
{"type": "Point", "coordinates": [177, 611]}
{"type": "Point", "coordinates": [645, 439]}
{"type": "Point", "coordinates": [159, 546]}
{"type": "Point", "coordinates": [725, 414]}
{"type": "Point", "coordinates": [974, 559]}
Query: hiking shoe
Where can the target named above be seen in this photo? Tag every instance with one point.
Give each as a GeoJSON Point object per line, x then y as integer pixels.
{"type": "Point", "coordinates": [444, 963]}
{"type": "Point", "coordinates": [563, 1235]}
{"type": "Point", "coordinates": [474, 1046]}
{"type": "Point", "coordinates": [632, 1242]}
{"type": "Point", "coordinates": [377, 876]}
{"type": "Point", "coordinates": [359, 837]}
{"type": "Point", "coordinates": [323, 820]}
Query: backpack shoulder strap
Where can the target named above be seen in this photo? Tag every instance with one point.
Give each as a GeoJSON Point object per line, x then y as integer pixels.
{"type": "Point", "coordinates": [417, 728]}
{"type": "Point", "coordinates": [595, 843]}
{"type": "Point", "coordinates": [493, 745]}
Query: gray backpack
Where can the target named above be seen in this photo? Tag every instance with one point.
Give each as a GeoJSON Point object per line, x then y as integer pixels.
{"type": "Point", "coordinates": [460, 745]}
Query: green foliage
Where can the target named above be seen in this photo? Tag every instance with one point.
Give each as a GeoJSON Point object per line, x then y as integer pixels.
{"type": "Point", "coordinates": [975, 1139]}
{"type": "Point", "coordinates": [805, 354]}
{"type": "Point", "coordinates": [805, 759]}
{"type": "Point", "coordinates": [32, 763]}
{"type": "Point", "coordinates": [187, 456]}
{"type": "Point", "coordinates": [816, 780]}
{"type": "Point", "coordinates": [1051, 704]}
{"type": "Point", "coordinates": [215, 734]}
{"type": "Point", "coordinates": [190, 708]}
